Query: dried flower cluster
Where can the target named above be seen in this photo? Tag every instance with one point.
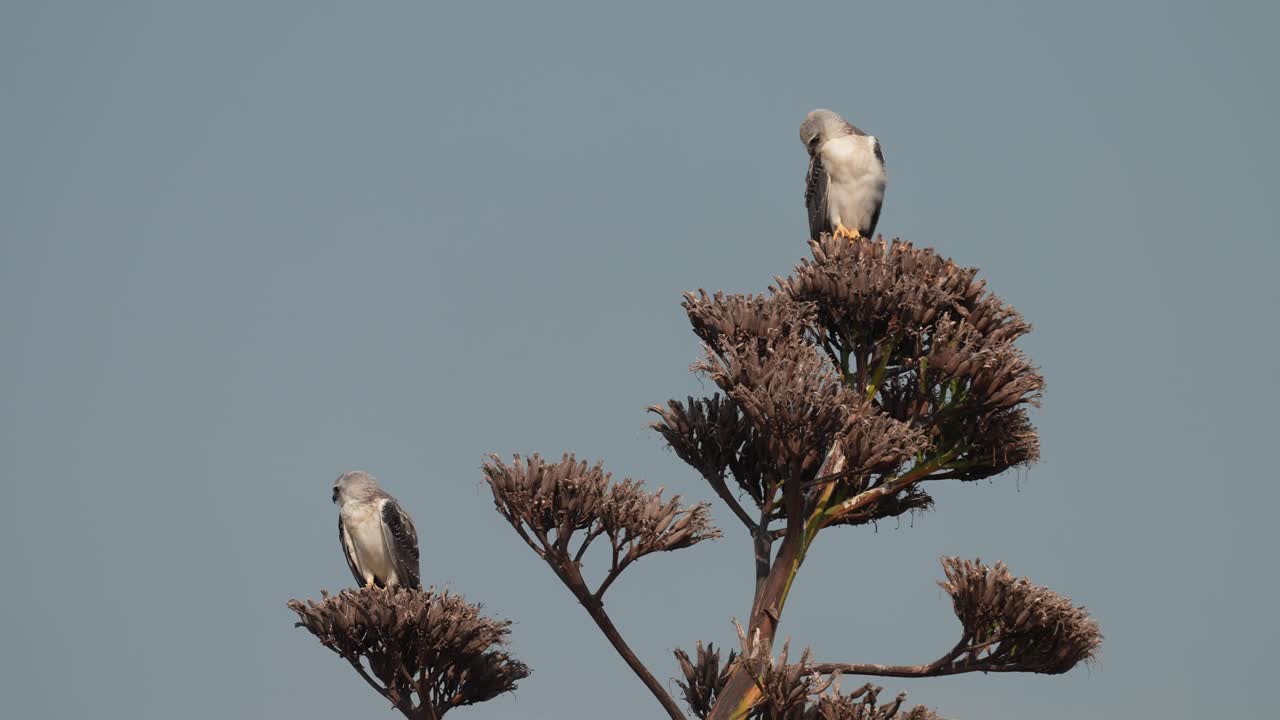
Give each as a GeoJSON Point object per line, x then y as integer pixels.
{"type": "Point", "coordinates": [724, 320]}
{"type": "Point", "coordinates": [889, 356]}
{"type": "Point", "coordinates": [862, 704]}
{"type": "Point", "coordinates": [430, 652]}
{"type": "Point", "coordinates": [1011, 625]}
{"type": "Point", "coordinates": [713, 437]}
{"type": "Point", "coordinates": [999, 441]}
{"type": "Point", "coordinates": [793, 398]}
{"type": "Point", "coordinates": [925, 340]}
{"type": "Point", "coordinates": [704, 676]}
{"type": "Point", "coordinates": [716, 438]}
{"type": "Point", "coordinates": [788, 691]}
{"type": "Point", "coordinates": [548, 503]}
{"type": "Point", "coordinates": [867, 290]}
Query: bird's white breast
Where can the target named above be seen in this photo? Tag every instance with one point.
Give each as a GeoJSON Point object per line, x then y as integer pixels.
{"type": "Point", "coordinates": [363, 522]}
{"type": "Point", "coordinates": [856, 179]}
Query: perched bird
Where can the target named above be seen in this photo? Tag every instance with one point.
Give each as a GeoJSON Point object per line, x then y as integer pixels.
{"type": "Point", "coordinates": [377, 535]}
{"type": "Point", "coordinates": [844, 187]}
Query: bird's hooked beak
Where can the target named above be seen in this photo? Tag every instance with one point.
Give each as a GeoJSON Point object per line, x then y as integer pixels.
{"type": "Point", "coordinates": [335, 496]}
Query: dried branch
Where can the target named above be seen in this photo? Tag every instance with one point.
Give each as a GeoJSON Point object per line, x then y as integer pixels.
{"type": "Point", "coordinates": [548, 504]}
{"type": "Point", "coordinates": [429, 652]}
{"type": "Point", "coordinates": [595, 608]}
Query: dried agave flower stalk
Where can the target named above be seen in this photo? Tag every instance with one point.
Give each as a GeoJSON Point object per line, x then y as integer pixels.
{"type": "Point", "coordinates": [873, 368]}
{"type": "Point", "coordinates": [549, 504]}
{"type": "Point", "coordinates": [425, 652]}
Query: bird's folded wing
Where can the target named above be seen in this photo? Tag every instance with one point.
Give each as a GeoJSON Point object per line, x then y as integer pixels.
{"type": "Point", "coordinates": [402, 539]}
{"type": "Point", "coordinates": [815, 197]}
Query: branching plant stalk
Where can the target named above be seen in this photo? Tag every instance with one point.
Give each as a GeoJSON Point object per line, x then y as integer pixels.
{"type": "Point", "coordinates": [741, 691]}
{"type": "Point", "coordinates": [594, 606]}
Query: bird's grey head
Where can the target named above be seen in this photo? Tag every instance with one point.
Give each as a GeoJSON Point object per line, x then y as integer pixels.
{"type": "Point", "coordinates": [355, 485]}
{"type": "Point", "coordinates": [820, 126]}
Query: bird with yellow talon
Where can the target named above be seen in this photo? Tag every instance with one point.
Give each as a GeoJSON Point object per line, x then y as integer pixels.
{"type": "Point", "coordinates": [844, 187]}
{"type": "Point", "coordinates": [377, 536]}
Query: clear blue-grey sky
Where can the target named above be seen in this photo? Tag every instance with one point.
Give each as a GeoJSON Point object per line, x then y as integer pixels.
{"type": "Point", "coordinates": [247, 246]}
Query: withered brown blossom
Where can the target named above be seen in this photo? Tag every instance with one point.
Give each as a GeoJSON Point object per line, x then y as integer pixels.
{"type": "Point", "coordinates": [549, 503]}
{"type": "Point", "coordinates": [865, 291]}
{"type": "Point", "coordinates": [1001, 440]}
{"type": "Point", "coordinates": [426, 652]}
{"type": "Point", "coordinates": [713, 437]}
{"type": "Point", "coordinates": [919, 334]}
{"type": "Point", "coordinates": [863, 704]}
{"type": "Point", "coordinates": [793, 398]}
{"type": "Point", "coordinates": [1011, 625]}
{"type": "Point", "coordinates": [726, 320]}
{"type": "Point", "coordinates": [704, 676]}
{"type": "Point", "coordinates": [799, 691]}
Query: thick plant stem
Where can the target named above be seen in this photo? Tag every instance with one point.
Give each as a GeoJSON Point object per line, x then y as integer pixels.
{"type": "Point", "coordinates": [740, 692]}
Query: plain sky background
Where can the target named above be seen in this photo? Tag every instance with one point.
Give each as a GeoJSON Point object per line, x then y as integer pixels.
{"type": "Point", "coordinates": [247, 246]}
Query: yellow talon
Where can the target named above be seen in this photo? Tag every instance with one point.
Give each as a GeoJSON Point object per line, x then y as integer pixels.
{"type": "Point", "coordinates": [844, 232]}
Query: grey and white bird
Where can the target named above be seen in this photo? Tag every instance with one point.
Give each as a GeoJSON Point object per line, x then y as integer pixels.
{"type": "Point", "coordinates": [844, 187]}
{"type": "Point", "coordinates": [377, 535]}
